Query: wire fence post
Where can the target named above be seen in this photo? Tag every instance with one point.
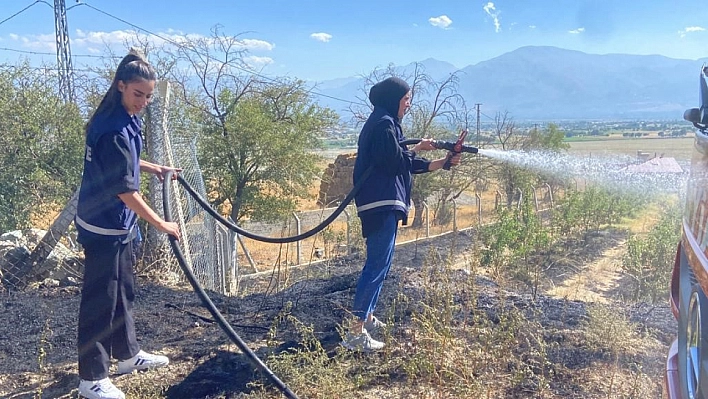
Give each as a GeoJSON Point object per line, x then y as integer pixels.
{"type": "Point", "coordinates": [521, 198]}
{"type": "Point", "coordinates": [349, 231]}
{"type": "Point", "coordinates": [454, 215]}
{"type": "Point", "coordinates": [535, 198]}
{"type": "Point", "coordinates": [479, 208]}
{"type": "Point", "coordinates": [298, 244]}
{"type": "Point", "coordinates": [233, 270]}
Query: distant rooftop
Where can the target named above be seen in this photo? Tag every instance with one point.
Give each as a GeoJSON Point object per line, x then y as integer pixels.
{"type": "Point", "coordinates": [656, 165]}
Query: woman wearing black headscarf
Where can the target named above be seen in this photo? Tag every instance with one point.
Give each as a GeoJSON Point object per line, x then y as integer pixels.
{"type": "Point", "coordinates": [384, 199]}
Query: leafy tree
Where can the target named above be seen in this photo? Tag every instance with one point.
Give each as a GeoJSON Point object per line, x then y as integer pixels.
{"type": "Point", "coordinates": [257, 136]}
{"type": "Point", "coordinates": [260, 160]}
{"type": "Point", "coordinates": [42, 141]}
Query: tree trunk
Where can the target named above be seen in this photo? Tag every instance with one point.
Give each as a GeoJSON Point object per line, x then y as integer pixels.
{"type": "Point", "coordinates": [418, 214]}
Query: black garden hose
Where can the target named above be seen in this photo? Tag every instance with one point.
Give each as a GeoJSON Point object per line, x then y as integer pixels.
{"type": "Point", "coordinates": [232, 226]}
{"type": "Point", "coordinates": [275, 240]}
{"type": "Point", "coordinates": [206, 301]}
{"type": "Point", "coordinates": [443, 145]}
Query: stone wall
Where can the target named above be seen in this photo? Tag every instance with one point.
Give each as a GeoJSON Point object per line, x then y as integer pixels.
{"type": "Point", "coordinates": [337, 180]}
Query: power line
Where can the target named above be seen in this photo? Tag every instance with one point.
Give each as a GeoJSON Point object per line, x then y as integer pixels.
{"type": "Point", "coordinates": [23, 10]}
{"type": "Point", "coordinates": [487, 116]}
{"type": "Point", "coordinates": [168, 40]}
{"type": "Point", "coordinates": [54, 54]}
{"type": "Point", "coordinates": [46, 68]}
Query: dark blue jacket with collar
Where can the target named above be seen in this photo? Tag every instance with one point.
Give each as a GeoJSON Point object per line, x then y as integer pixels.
{"type": "Point", "coordinates": [111, 167]}
{"type": "Point", "coordinates": [388, 188]}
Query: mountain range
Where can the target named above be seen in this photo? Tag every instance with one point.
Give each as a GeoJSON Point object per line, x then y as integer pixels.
{"type": "Point", "coordinates": [548, 83]}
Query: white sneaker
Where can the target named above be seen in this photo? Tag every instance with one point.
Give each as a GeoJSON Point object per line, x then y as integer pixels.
{"type": "Point", "coordinates": [361, 342]}
{"type": "Point", "coordinates": [100, 389]}
{"type": "Point", "coordinates": [375, 325]}
{"type": "Point", "coordinates": [142, 361]}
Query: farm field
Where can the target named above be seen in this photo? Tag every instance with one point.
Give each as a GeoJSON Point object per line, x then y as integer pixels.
{"type": "Point", "coordinates": [679, 148]}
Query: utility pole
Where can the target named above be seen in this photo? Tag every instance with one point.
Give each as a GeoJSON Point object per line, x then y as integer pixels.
{"type": "Point", "coordinates": [477, 106]}
{"type": "Point", "coordinates": [34, 264]}
{"type": "Point", "coordinates": [479, 165]}
{"type": "Point", "coordinates": [66, 70]}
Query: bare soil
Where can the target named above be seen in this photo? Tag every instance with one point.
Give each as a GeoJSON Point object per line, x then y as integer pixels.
{"type": "Point", "coordinates": [38, 333]}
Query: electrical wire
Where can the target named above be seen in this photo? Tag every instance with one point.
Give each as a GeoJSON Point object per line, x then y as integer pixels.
{"type": "Point", "coordinates": [181, 46]}
{"type": "Point", "coordinates": [23, 10]}
{"type": "Point", "coordinates": [166, 39]}
{"type": "Point", "coordinates": [54, 54]}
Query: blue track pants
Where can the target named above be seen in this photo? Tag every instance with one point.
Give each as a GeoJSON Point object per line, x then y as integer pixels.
{"type": "Point", "coordinates": [380, 245]}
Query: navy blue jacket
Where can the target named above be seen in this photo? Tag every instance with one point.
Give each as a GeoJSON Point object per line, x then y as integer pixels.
{"type": "Point", "coordinates": [111, 167]}
{"type": "Point", "coordinates": [388, 188]}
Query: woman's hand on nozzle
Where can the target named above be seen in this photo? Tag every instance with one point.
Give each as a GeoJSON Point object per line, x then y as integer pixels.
{"type": "Point", "coordinates": [424, 145]}
{"type": "Point", "coordinates": [456, 159]}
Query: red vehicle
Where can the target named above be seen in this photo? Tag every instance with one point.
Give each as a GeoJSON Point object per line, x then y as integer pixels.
{"type": "Point", "coordinates": [687, 362]}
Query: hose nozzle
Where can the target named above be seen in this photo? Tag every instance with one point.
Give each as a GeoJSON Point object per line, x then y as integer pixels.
{"type": "Point", "coordinates": [446, 145]}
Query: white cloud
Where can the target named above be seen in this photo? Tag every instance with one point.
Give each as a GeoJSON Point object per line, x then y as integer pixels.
{"type": "Point", "coordinates": [690, 29]}
{"type": "Point", "coordinates": [116, 37]}
{"type": "Point", "coordinates": [532, 26]}
{"type": "Point", "coordinates": [491, 10]}
{"type": "Point", "coordinates": [257, 45]}
{"type": "Point", "coordinates": [256, 62]}
{"type": "Point", "coordinates": [442, 21]}
{"type": "Point", "coordinates": [96, 42]}
{"type": "Point", "coordinates": [41, 43]}
{"type": "Point", "coordinates": [100, 43]}
{"type": "Point", "coordinates": [321, 37]}
{"type": "Point", "coordinates": [576, 31]}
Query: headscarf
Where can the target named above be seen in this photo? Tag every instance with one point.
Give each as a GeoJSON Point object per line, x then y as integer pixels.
{"type": "Point", "coordinates": [388, 94]}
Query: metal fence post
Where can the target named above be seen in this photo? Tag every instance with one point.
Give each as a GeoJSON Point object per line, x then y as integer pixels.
{"type": "Point", "coordinates": [535, 198]}
{"type": "Point", "coordinates": [479, 208]}
{"type": "Point", "coordinates": [298, 245]}
{"type": "Point", "coordinates": [521, 198]}
{"type": "Point", "coordinates": [349, 232]}
{"type": "Point", "coordinates": [550, 193]}
{"type": "Point", "coordinates": [454, 215]}
{"type": "Point", "coordinates": [233, 269]}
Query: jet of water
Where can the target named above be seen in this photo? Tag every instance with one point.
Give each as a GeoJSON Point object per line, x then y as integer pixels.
{"type": "Point", "coordinates": [610, 171]}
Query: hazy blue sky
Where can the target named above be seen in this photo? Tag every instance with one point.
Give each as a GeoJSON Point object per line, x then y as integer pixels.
{"type": "Point", "coordinates": [319, 40]}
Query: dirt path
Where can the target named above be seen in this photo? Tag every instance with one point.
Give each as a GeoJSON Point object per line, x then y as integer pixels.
{"type": "Point", "coordinates": [599, 279]}
{"type": "Point", "coordinates": [595, 282]}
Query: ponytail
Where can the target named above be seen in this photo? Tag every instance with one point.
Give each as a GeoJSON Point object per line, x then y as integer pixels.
{"type": "Point", "coordinates": [131, 68]}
